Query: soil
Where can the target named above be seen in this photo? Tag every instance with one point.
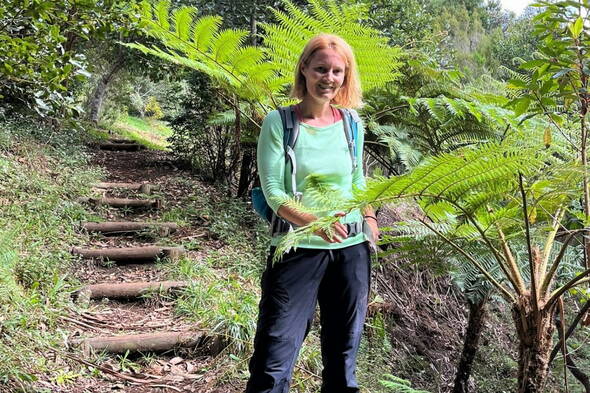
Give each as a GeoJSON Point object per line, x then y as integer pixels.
{"type": "Point", "coordinates": [178, 370]}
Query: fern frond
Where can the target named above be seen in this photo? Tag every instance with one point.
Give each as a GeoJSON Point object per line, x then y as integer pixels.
{"type": "Point", "coordinates": [226, 43]}
{"type": "Point", "coordinates": [204, 30]}
{"type": "Point", "coordinates": [183, 18]}
{"type": "Point", "coordinates": [398, 385]}
{"type": "Point", "coordinates": [161, 13]}
{"type": "Point", "coordinates": [224, 118]}
{"type": "Point", "coordinates": [319, 192]}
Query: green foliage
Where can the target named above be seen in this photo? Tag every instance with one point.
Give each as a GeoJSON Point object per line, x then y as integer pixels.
{"type": "Point", "coordinates": [399, 385]}
{"type": "Point", "coordinates": [207, 48]}
{"type": "Point", "coordinates": [209, 146]}
{"type": "Point", "coordinates": [40, 57]}
{"type": "Point", "coordinates": [404, 22]}
{"type": "Point", "coordinates": [152, 108]}
{"type": "Point", "coordinates": [432, 111]}
{"type": "Point", "coordinates": [377, 61]}
{"type": "Point", "coordinates": [149, 132]}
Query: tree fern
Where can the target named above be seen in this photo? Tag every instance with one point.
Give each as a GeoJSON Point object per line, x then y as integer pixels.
{"type": "Point", "coordinates": [261, 74]}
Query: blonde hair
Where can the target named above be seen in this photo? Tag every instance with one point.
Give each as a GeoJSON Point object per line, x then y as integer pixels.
{"type": "Point", "coordinates": [350, 93]}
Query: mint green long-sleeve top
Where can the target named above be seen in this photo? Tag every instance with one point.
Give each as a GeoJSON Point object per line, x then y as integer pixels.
{"type": "Point", "coordinates": [319, 151]}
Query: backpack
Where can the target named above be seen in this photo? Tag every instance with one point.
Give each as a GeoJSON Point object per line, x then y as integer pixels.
{"type": "Point", "coordinates": [290, 122]}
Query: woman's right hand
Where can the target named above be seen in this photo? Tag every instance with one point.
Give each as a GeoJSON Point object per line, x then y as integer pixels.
{"type": "Point", "coordinates": [302, 219]}
{"type": "Point", "coordinates": [340, 231]}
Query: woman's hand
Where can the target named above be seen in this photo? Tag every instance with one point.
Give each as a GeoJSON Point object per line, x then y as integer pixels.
{"type": "Point", "coordinates": [372, 223]}
{"type": "Point", "coordinates": [340, 231]}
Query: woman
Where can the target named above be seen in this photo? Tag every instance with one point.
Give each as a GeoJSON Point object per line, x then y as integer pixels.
{"type": "Point", "coordinates": [333, 271]}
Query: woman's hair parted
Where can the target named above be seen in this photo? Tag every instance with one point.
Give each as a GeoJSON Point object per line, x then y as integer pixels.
{"type": "Point", "coordinates": [350, 94]}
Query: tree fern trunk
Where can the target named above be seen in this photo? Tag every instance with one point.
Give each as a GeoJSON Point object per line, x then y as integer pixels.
{"type": "Point", "coordinates": [535, 344]}
{"type": "Point", "coordinates": [477, 316]}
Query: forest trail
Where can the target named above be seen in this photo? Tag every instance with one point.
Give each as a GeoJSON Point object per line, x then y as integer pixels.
{"type": "Point", "coordinates": [130, 316]}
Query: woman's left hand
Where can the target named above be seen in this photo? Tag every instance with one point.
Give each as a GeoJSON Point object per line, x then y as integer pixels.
{"type": "Point", "coordinates": [372, 222]}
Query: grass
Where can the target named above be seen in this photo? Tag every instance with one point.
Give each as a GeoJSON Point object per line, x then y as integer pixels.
{"type": "Point", "coordinates": [41, 174]}
{"type": "Point", "coordinates": [150, 132]}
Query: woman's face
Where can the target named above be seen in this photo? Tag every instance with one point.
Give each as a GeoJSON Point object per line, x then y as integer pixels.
{"type": "Point", "coordinates": [324, 75]}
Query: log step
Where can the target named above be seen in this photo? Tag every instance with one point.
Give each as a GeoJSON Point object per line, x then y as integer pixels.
{"type": "Point", "coordinates": [118, 227]}
{"type": "Point", "coordinates": [130, 254]}
{"type": "Point", "coordinates": [121, 146]}
{"type": "Point", "coordinates": [124, 202]}
{"type": "Point", "coordinates": [144, 188]}
{"type": "Point", "coordinates": [149, 342]}
{"type": "Point", "coordinates": [121, 140]}
{"type": "Point", "coordinates": [127, 290]}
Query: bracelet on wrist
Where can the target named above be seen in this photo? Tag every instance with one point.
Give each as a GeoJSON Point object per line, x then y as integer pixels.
{"type": "Point", "coordinates": [369, 216]}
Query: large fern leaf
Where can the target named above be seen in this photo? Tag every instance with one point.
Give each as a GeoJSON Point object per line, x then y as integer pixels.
{"type": "Point", "coordinates": [378, 62]}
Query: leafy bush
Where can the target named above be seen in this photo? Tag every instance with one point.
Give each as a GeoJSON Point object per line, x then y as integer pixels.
{"type": "Point", "coordinates": [210, 149]}
{"type": "Point", "coordinates": [152, 108]}
{"type": "Point", "coordinates": [40, 59]}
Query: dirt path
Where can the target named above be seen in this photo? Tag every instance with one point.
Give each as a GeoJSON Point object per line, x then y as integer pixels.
{"type": "Point", "coordinates": [189, 369]}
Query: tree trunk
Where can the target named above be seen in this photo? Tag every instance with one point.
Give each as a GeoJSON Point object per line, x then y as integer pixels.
{"type": "Point", "coordinates": [246, 175]}
{"type": "Point", "coordinates": [477, 315]}
{"type": "Point", "coordinates": [535, 344]}
{"type": "Point", "coordinates": [100, 91]}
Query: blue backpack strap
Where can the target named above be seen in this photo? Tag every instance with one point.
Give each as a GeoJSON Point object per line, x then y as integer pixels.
{"type": "Point", "coordinates": [287, 120]}
{"type": "Point", "coordinates": [351, 121]}
{"type": "Point", "coordinates": [290, 135]}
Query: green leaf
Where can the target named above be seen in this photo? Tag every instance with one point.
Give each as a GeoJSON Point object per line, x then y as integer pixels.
{"type": "Point", "coordinates": [522, 105]}
{"type": "Point", "coordinates": [532, 64]}
{"type": "Point", "coordinates": [576, 27]}
{"type": "Point", "coordinates": [517, 84]}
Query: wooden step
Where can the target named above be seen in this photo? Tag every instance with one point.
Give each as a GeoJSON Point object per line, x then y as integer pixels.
{"type": "Point", "coordinates": [121, 140]}
{"type": "Point", "coordinates": [144, 188]}
{"type": "Point", "coordinates": [127, 290]}
{"type": "Point", "coordinates": [129, 254]}
{"type": "Point", "coordinates": [121, 146]}
{"type": "Point", "coordinates": [148, 342]}
{"type": "Point", "coordinates": [119, 227]}
{"type": "Point", "coordinates": [124, 202]}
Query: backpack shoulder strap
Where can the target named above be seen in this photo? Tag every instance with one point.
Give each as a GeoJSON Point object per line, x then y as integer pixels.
{"type": "Point", "coordinates": [290, 135]}
{"type": "Point", "coordinates": [351, 121]}
{"type": "Point", "coordinates": [290, 126]}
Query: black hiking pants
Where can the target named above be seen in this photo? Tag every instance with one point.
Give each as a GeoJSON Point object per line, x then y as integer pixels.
{"type": "Point", "coordinates": [339, 281]}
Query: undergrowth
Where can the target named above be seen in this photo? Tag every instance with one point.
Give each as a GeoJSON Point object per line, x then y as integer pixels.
{"type": "Point", "coordinates": [149, 132]}
{"type": "Point", "coordinates": [41, 174]}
